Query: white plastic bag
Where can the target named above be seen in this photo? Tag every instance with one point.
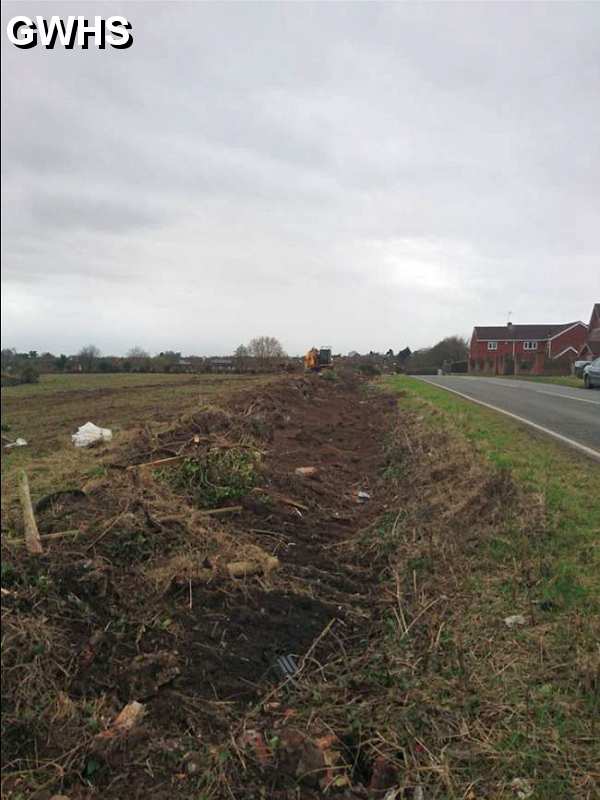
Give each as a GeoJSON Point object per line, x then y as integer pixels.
{"type": "Point", "coordinates": [89, 434]}
{"type": "Point", "coordinates": [17, 443]}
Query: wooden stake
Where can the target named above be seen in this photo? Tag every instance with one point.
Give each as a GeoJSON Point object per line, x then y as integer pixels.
{"type": "Point", "coordinates": [32, 536]}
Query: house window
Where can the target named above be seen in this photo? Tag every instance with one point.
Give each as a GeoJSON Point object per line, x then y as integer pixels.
{"type": "Point", "coordinates": [529, 345]}
{"type": "Point", "coordinates": [492, 345]}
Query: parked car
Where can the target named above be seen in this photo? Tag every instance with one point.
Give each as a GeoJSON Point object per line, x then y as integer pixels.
{"type": "Point", "coordinates": [579, 366]}
{"type": "Point", "coordinates": [591, 374]}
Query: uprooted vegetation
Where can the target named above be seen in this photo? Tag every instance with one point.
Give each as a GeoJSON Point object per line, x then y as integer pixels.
{"type": "Point", "coordinates": [172, 583]}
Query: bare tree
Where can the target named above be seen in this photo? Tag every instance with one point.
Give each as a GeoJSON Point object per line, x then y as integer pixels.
{"type": "Point", "coordinates": [138, 360]}
{"type": "Point", "coordinates": [265, 348]}
{"type": "Point", "coordinates": [138, 352]}
{"type": "Point", "coordinates": [88, 356]}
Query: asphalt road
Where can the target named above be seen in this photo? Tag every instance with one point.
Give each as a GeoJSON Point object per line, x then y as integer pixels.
{"type": "Point", "coordinates": [570, 415]}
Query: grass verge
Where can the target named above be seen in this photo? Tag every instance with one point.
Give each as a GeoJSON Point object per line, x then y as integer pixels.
{"type": "Point", "coordinates": [540, 559]}
{"type": "Point", "coordinates": [568, 484]}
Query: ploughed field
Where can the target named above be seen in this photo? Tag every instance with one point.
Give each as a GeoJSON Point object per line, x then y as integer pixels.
{"type": "Point", "coordinates": [289, 590]}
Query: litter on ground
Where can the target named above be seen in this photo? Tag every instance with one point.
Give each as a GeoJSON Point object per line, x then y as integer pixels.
{"type": "Point", "coordinates": [90, 434]}
{"type": "Point", "coordinates": [17, 443]}
{"type": "Point", "coordinates": [515, 619]}
{"type": "Point", "coordinates": [286, 666]}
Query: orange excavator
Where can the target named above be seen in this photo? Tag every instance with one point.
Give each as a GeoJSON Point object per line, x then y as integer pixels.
{"type": "Point", "coordinates": [316, 360]}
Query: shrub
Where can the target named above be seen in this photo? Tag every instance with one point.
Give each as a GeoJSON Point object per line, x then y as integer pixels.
{"type": "Point", "coordinates": [29, 374]}
{"type": "Point", "coordinates": [370, 370]}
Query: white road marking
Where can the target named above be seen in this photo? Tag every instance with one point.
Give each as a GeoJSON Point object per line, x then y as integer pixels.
{"type": "Point", "coordinates": [589, 451]}
{"type": "Point", "coordinates": [534, 388]}
{"type": "Point", "coordinates": [570, 397]}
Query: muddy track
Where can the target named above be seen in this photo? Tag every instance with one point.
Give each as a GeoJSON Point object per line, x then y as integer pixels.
{"type": "Point", "coordinates": [341, 433]}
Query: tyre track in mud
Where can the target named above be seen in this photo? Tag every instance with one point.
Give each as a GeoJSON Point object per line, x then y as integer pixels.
{"type": "Point", "coordinates": [341, 432]}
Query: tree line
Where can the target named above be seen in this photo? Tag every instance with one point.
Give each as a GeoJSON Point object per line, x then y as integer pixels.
{"type": "Point", "coordinates": [261, 353]}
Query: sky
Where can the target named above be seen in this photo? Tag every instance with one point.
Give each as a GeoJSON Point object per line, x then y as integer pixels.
{"type": "Point", "coordinates": [359, 175]}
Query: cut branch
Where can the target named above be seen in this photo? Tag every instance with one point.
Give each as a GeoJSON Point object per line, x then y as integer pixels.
{"type": "Point", "coordinates": [160, 462]}
{"type": "Point", "coordinates": [217, 512]}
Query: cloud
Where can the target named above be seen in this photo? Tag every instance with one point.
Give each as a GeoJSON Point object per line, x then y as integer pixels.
{"type": "Point", "coordinates": [367, 175]}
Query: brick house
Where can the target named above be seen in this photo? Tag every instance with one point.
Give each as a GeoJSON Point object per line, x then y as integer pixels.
{"type": "Point", "coordinates": [591, 348]}
{"type": "Point", "coordinates": [526, 349]}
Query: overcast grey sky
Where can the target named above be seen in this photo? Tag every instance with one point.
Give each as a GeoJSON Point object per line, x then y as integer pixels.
{"type": "Point", "coordinates": [364, 175]}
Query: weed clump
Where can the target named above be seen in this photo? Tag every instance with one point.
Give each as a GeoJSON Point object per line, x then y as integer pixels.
{"type": "Point", "coordinates": [218, 476]}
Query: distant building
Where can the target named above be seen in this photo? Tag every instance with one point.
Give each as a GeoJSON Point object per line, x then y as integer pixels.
{"type": "Point", "coordinates": [591, 347]}
{"type": "Point", "coordinates": [221, 364]}
{"type": "Point", "coordinates": [183, 365]}
{"type": "Point", "coordinates": [529, 349]}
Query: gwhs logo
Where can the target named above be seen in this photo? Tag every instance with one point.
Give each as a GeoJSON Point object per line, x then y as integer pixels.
{"type": "Point", "coordinates": [25, 32]}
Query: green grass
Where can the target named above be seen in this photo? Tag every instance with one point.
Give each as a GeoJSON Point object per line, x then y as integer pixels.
{"type": "Point", "coordinates": [568, 482]}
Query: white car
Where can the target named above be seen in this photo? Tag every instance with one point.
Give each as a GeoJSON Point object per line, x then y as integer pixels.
{"type": "Point", "coordinates": [579, 366]}
{"type": "Point", "coordinates": [591, 374]}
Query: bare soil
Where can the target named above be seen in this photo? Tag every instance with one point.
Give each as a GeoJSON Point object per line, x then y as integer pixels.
{"type": "Point", "coordinates": [140, 604]}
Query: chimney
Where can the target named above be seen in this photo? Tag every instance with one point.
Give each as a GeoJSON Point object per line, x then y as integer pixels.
{"type": "Point", "coordinates": [509, 324]}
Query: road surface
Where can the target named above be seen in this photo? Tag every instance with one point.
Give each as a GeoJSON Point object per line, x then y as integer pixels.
{"type": "Point", "coordinates": [570, 415]}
